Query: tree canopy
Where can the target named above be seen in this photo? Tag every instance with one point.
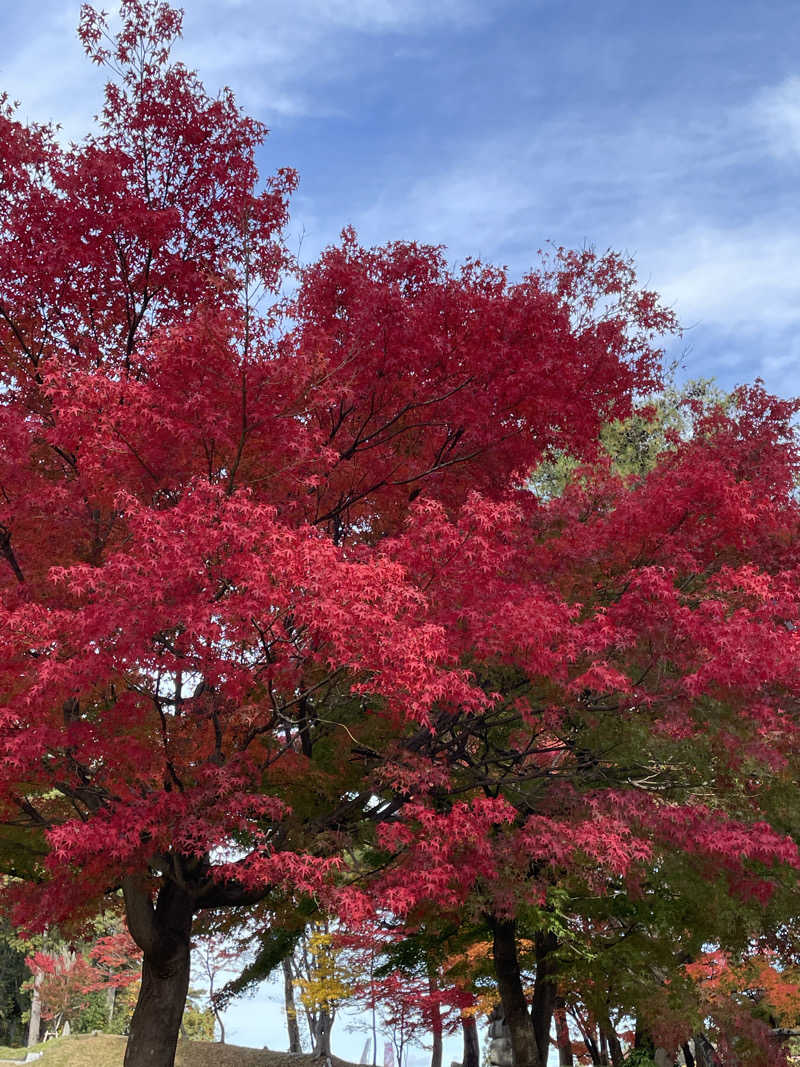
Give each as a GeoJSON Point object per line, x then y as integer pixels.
{"type": "Point", "coordinates": [282, 615]}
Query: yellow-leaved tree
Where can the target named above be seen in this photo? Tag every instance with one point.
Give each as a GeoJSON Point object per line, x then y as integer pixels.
{"type": "Point", "coordinates": [323, 982]}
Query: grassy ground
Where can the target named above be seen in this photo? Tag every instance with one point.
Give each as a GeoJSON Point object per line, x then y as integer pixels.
{"type": "Point", "coordinates": [104, 1050]}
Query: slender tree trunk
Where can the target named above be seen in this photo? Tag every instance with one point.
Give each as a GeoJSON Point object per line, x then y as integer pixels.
{"type": "Point", "coordinates": [687, 1054]}
{"type": "Point", "coordinates": [111, 1000]}
{"type": "Point", "coordinates": [544, 991]}
{"type": "Point", "coordinates": [472, 1052]}
{"type": "Point", "coordinates": [524, 1046]}
{"type": "Point", "coordinates": [603, 1049]}
{"type": "Point", "coordinates": [592, 1048]}
{"type": "Point", "coordinates": [292, 1024]}
{"type": "Point", "coordinates": [563, 1040]}
{"type": "Point", "coordinates": [614, 1048]}
{"type": "Point", "coordinates": [35, 1025]}
{"type": "Point", "coordinates": [216, 1012]}
{"type": "Point", "coordinates": [373, 1008]}
{"type": "Point", "coordinates": [374, 1036]}
{"type": "Point", "coordinates": [436, 1026]}
{"type": "Point", "coordinates": [163, 933]}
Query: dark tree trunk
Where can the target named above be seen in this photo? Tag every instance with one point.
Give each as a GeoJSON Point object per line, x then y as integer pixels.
{"type": "Point", "coordinates": [704, 1052]}
{"type": "Point", "coordinates": [544, 991]}
{"type": "Point", "coordinates": [603, 1049]}
{"type": "Point", "coordinates": [687, 1054]}
{"type": "Point", "coordinates": [614, 1048]}
{"type": "Point", "coordinates": [157, 1018]}
{"type": "Point", "coordinates": [563, 1040]}
{"type": "Point", "coordinates": [524, 1046]}
{"type": "Point", "coordinates": [163, 933]}
{"type": "Point", "coordinates": [592, 1048]}
{"type": "Point", "coordinates": [291, 1009]}
{"type": "Point", "coordinates": [436, 1048]}
{"type": "Point", "coordinates": [472, 1053]}
{"type": "Point", "coordinates": [436, 1025]}
{"type": "Point", "coordinates": [643, 1039]}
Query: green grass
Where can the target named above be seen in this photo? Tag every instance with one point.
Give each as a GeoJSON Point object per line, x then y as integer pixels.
{"type": "Point", "coordinates": [8, 1053]}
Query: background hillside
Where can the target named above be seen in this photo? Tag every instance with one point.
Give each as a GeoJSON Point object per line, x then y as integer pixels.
{"type": "Point", "coordinates": [108, 1050]}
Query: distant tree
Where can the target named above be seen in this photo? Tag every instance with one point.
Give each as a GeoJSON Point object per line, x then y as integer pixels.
{"type": "Point", "coordinates": [290, 1007]}
{"type": "Point", "coordinates": [324, 981]}
{"type": "Point", "coordinates": [68, 977]}
{"type": "Point", "coordinates": [197, 1023]}
{"type": "Point", "coordinates": [14, 1000]}
{"type": "Point", "coordinates": [214, 957]}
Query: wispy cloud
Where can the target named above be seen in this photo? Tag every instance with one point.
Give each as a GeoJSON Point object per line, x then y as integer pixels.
{"type": "Point", "coordinates": [495, 125]}
{"type": "Point", "coordinates": [285, 62]}
{"type": "Point", "coordinates": [281, 61]}
{"type": "Point", "coordinates": [46, 71]}
{"type": "Point", "coordinates": [776, 109]}
{"type": "Point", "coordinates": [694, 201]}
{"type": "Point", "coordinates": [747, 278]}
{"type": "Point", "coordinates": [387, 15]}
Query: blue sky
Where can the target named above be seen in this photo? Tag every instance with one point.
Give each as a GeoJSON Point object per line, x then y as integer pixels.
{"type": "Point", "coordinates": [668, 131]}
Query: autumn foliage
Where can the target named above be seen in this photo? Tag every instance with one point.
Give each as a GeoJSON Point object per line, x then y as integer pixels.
{"type": "Point", "coordinates": [281, 613]}
{"type": "Point", "coordinates": [66, 979]}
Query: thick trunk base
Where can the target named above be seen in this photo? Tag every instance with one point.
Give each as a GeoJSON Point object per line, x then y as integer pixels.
{"type": "Point", "coordinates": [322, 1037]}
{"type": "Point", "coordinates": [524, 1047]}
{"type": "Point", "coordinates": [164, 934]}
{"type": "Point", "coordinates": [472, 1052]}
{"type": "Point", "coordinates": [156, 1021]}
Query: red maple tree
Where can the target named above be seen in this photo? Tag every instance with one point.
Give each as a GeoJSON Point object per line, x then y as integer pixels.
{"type": "Point", "coordinates": [272, 570]}
{"type": "Point", "coordinates": [638, 636]}
{"type": "Point", "coordinates": [66, 979]}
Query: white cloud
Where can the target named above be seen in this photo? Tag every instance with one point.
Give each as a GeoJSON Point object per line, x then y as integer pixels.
{"type": "Point", "coordinates": [45, 69]}
{"type": "Point", "coordinates": [280, 58]}
{"type": "Point", "coordinates": [697, 192]}
{"type": "Point", "coordinates": [283, 60]}
{"type": "Point", "coordinates": [390, 15]}
{"type": "Point", "coordinates": [776, 111]}
{"type": "Point", "coordinates": [736, 292]}
{"type": "Point", "coordinates": [369, 15]}
{"type": "Point", "coordinates": [672, 194]}
{"type": "Point", "coordinates": [734, 279]}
